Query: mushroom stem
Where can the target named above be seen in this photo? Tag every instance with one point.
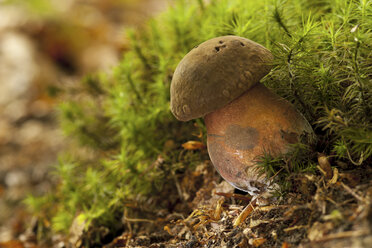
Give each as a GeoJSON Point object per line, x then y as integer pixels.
{"type": "Point", "coordinates": [255, 123]}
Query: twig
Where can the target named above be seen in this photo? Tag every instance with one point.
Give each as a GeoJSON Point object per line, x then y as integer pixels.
{"type": "Point", "coordinates": [270, 207]}
{"type": "Point", "coordinates": [294, 228]}
{"type": "Point", "coordinates": [138, 220]}
{"type": "Point", "coordinates": [127, 222]}
{"type": "Point", "coordinates": [332, 201]}
{"type": "Point", "coordinates": [342, 235]}
{"type": "Point", "coordinates": [349, 190]}
{"type": "Point", "coordinates": [178, 187]}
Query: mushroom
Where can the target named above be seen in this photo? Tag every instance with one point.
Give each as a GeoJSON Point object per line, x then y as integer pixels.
{"type": "Point", "coordinates": [219, 80]}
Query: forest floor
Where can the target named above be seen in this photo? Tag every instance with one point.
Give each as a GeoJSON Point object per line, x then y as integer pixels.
{"type": "Point", "coordinates": [40, 54]}
{"type": "Point", "coordinates": [317, 212]}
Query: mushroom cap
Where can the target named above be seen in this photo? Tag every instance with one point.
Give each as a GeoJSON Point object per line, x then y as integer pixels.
{"type": "Point", "coordinates": [215, 73]}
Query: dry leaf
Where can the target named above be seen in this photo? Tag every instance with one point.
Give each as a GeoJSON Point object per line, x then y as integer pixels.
{"type": "Point", "coordinates": [193, 145]}
{"type": "Point", "coordinates": [11, 244]}
{"type": "Point", "coordinates": [325, 165]}
{"type": "Point", "coordinates": [219, 209]}
{"type": "Point", "coordinates": [166, 228]}
{"type": "Point", "coordinates": [258, 242]}
{"type": "Point", "coordinates": [285, 245]}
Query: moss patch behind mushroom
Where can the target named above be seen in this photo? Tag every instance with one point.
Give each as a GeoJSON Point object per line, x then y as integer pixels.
{"type": "Point", "coordinates": [130, 163]}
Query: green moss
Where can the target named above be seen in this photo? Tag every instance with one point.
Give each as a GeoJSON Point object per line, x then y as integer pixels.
{"type": "Point", "coordinates": [322, 65]}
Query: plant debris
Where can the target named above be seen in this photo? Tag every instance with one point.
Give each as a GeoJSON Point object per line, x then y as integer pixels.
{"type": "Point", "coordinates": [327, 218]}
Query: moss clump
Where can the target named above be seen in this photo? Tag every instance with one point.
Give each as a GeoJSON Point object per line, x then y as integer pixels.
{"type": "Point", "coordinates": [133, 155]}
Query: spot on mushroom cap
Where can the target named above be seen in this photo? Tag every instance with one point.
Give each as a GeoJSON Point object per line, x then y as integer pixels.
{"type": "Point", "coordinates": [215, 73]}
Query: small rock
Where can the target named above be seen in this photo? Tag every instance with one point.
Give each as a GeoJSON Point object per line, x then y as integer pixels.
{"type": "Point", "coordinates": [16, 179]}
{"type": "Point", "coordinates": [31, 131]}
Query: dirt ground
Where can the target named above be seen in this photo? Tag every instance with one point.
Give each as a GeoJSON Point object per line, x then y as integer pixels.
{"type": "Point", "coordinates": [318, 212]}
{"type": "Point", "coordinates": [41, 52]}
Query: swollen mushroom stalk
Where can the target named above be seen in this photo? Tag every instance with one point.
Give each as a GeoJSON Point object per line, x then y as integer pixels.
{"type": "Point", "coordinates": [219, 80]}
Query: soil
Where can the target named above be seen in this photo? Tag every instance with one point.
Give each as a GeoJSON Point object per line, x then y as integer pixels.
{"type": "Point", "coordinates": [318, 212]}
{"type": "Point", "coordinates": [41, 53]}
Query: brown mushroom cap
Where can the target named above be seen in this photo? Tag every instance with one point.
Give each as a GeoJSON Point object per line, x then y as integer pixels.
{"type": "Point", "coordinates": [215, 73]}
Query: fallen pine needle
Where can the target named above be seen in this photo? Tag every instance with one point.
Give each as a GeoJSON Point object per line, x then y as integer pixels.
{"type": "Point", "coordinates": [270, 207]}
{"type": "Point", "coordinates": [341, 235]}
{"type": "Point", "coordinates": [294, 228]}
{"type": "Point", "coordinates": [244, 214]}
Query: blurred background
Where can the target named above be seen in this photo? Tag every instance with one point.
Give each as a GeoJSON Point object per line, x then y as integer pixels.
{"type": "Point", "coordinates": [46, 45]}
